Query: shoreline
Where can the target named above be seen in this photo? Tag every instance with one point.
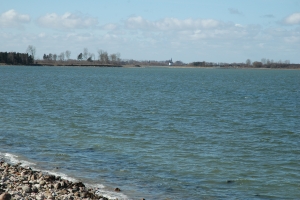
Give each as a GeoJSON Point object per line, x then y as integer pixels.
{"type": "Point", "coordinates": [19, 182]}
{"type": "Point", "coordinates": [146, 66]}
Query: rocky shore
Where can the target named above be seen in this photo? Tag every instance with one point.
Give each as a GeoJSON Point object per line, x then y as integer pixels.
{"type": "Point", "coordinates": [23, 183]}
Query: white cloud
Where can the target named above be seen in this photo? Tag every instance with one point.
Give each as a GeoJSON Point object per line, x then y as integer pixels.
{"type": "Point", "coordinates": [11, 18]}
{"type": "Point", "coordinates": [67, 21]}
{"type": "Point", "coordinates": [110, 27]}
{"type": "Point", "coordinates": [292, 19]}
{"type": "Point", "coordinates": [169, 24]}
{"type": "Point", "coordinates": [173, 29]}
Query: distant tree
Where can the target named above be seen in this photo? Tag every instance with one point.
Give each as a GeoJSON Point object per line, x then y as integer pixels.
{"type": "Point", "coordinates": [91, 55]}
{"type": "Point", "coordinates": [257, 64]}
{"type": "Point", "coordinates": [248, 62]}
{"type": "Point", "coordinates": [99, 54]}
{"type": "Point", "coordinates": [50, 56]}
{"type": "Point", "coordinates": [264, 61]}
{"type": "Point", "coordinates": [10, 58]}
{"type": "Point", "coordinates": [178, 62]}
{"type": "Point", "coordinates": [68, 54]}
{"type": "Point", "coordinates": [287, 62]}
{"type": "Point", "coordinates": [103, 57]}
{"type": "Point", "coordinates": [79, 57]}
{"type": "Point", "coordinates": [90, 59]}
{"type": "Point", "coordinates": [54, 57]}
{"type": "Point", "coordinates": [30, 59]}
{"type": "Point", "coordinates": [113, 58]}
{"type": "Point", "coordinates": [85, 53]}
{"type": "Point", "coordinates": [31, 51]}
{"type": "Point", "coordinates": [45, 57]}
{"type": "Point", "coordinates": [61, 56]}
{"type": "Point", "coordinates": [118, 55]}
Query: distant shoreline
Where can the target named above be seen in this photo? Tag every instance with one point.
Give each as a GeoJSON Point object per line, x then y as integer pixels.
{"type": "Point", "coordinates": [143, 66]}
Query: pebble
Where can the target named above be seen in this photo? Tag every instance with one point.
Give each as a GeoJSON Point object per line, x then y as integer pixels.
{"type": "Point", "coordinates": [5, 196]}
{"type": "Point", "coordinates": [20, 183]}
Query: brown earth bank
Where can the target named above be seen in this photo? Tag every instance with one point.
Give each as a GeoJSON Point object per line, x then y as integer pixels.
{"type": "Point", "coordinates": [23, 183]}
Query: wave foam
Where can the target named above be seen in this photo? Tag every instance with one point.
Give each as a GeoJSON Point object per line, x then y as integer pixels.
{"type": "Point", "coordinates": [14, 159]}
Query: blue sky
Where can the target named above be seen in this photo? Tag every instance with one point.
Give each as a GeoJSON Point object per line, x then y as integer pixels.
{"type": "Point", "coordinates": [185, 30]}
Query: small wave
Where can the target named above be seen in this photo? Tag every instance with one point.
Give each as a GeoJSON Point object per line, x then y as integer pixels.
{"type": "Point", "coordinates": [14, 159]}
{"type": "Point", "coordinates": [110, 194]}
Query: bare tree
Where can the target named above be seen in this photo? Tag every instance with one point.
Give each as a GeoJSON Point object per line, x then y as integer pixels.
{"type": "Point", "coordinates": [264, 61]}
{"type": "Point", "coordinates": [61, 56]}
{"type": "Point", "coordinates": [118, 57]}
{"type": "Point", "coordinates": [31, 51]}
{"type": "Point", "coordinates": [85, 53]}
{"type": "Point", "coordinates": [54, 57]}
{"type": "Point", "coordinates": [113, 58]}
{"type": "Point", "coordinates": [68, 54]}
{"type": "Point", "coordinates": [248, 62]}
{"type": "Point", "coordinates": [99, 54]}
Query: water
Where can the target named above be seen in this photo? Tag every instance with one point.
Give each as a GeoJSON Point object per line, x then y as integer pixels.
{"type": "Point", "coordinates": [157, 133]}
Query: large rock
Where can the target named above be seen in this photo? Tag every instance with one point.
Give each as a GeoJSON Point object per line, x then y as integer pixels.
{"type": "Point", "coordinates": [5, 196]}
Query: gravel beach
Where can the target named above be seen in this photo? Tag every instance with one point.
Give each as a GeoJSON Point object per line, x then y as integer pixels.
{"type": "Point", "coordinates": [18, 183]}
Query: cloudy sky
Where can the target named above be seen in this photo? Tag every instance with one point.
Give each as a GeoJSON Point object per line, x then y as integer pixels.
{"type": "Point", "coordinates": [186, 30]}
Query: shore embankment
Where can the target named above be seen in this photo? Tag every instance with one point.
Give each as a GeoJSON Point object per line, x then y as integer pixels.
{"type": "Point", "coordinates": [17, 182]}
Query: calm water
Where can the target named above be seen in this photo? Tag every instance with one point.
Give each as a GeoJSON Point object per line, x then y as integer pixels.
{"type": "Point", "coordinates": [157, 133]}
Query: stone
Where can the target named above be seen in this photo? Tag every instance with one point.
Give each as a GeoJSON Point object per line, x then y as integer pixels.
{"type": "Point", "coordinates": [83, 194]}
{"type": "Point", "coordinates": [40, 197]}
{"type": "Point", "coordinates": [35, 189]}
{"type": "Point", "coordinates": [76, 194]}
{"type": "Point", "coordinates": [48, 194]}
{"type": "Point", "coordinates": [57, 186]}
{"type": "Point", "coordinates": [5, 196]}
{"type": "Point", "coordinates": [33, 177]}
{"type": "Point", "coordinates": [26, 189]}
{"type": "Point", "coordinates": [117, 190]}
{"type": "Point", "coordinates": [38, 186]}
{"type": "Point", "coordinates": [42, 182]}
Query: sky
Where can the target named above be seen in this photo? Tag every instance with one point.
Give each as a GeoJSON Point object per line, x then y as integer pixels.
{"type": "Point", "coordinates": [184, 30]}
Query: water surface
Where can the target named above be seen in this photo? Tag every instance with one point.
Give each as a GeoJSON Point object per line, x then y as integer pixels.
{"type": "Point", "coordinates": [157, 133]}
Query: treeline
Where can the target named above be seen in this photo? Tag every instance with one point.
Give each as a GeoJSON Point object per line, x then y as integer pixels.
{"type": "Point", "coordinates": [13, 58]}
{"type": "Point", "coordinates": [264, 63]}
{"type": "Point", "coordinates": [102, 58]}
